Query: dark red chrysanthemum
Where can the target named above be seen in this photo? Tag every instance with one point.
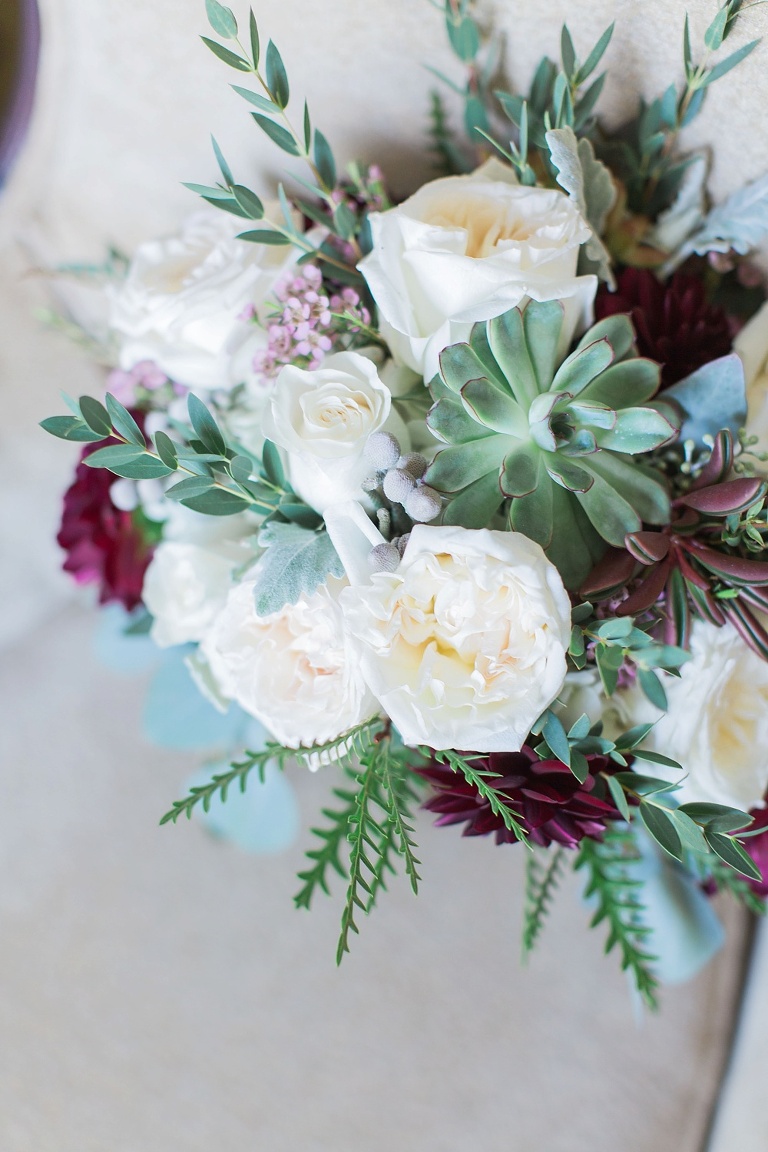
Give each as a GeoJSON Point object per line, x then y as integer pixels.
{"type": "Point", "coordinates": [544, 795]}
{"type": "Point", "coordinates": [104, 545]}
{"type": "Point", "coordinates": [675, 323]}
{"type": "Point", "coordinates": [757, 847]}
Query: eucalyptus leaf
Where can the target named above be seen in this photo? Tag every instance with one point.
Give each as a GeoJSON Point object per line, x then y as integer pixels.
{"type": "Point", "coordinates": [70, 428]}
{"type": "Point", "coordinates": [227, 55]}
{"type": "Point", "coordinates": [277, 134]}
{"type": "Point", "coordinates": [221, 19]}
{"type": "Point", "coordinates": [277, 78]}
{"type": "Point", "coordinates": [123, 423]}
{"type": "Point", "coordinates": [95, 416]}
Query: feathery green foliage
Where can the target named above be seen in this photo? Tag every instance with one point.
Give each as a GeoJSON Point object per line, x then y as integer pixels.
{"type": "Point", "coordinates": [540, 884]}
{"type": "Point", "coordinates": [730, 881]}
{"type": "Point", "coordinates": [481, 779]}
{"type": "Point", "coordinates": [619, 904]}
{"type": "Point", "coordinates": [380, 829]}
{"type": "Point", "coordinates": [342, 748]}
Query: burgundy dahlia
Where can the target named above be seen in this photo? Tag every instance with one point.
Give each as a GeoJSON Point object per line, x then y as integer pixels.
{"type": "Point", "coordinates": [104, 545]}
{"type": "Point", "coordinates": [544, 795]}
{"type": "Point", "coordinates": [675, 323]}
{"type": "Point", "coordinates": [757, 847]}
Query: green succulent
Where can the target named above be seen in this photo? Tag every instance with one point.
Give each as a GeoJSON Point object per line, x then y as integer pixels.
{"type": "Point", "coordinates": [550, 443]}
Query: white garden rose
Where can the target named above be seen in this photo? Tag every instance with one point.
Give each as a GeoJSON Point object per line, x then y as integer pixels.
{"type": "Point", "coordinates": [468, 248]}
{"type": "Point", "coordinates": [752, 346]}
{"type": "Point", "coordinates": [716, 726]}
{"type": "Point", "coordinates": [294, 670]}
{"type": "Point", "coordinates": [464, 644]}
{"type": "Point", "coordinates": [190, 575]}
{"type": "Point", "coordinates": [323, 418]}
{"type": "Point", "coordinates": [185, 302]}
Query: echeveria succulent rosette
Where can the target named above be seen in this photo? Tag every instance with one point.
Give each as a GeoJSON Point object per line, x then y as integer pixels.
{"type": "Point", "coordinates": [462, 496]}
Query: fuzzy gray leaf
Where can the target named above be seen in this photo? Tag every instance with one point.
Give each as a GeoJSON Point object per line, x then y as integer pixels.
{"type": "Point", "coordinates": [685, 215]}
{"type": "Point", "coordinates": [589, 183]}
{"type": "Point", "coordinates": [296, 561]}
{"type": "Point", "coordinates": [739, 223]}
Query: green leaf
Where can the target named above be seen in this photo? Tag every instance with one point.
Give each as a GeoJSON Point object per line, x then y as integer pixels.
{"type": "Point", "coordinates": [131, 463]}
{"type": "Point", "coordinates": [166, 450]}
{"type": "Point", "coordinates": [619, 797]}
{"type": "Point", "coordinates": [555, 735]}
{"type": "Point", "coordinates": [260, 102]}
{"type": "Point", "coordinates": [296, 561]}
{"type": "Point", "coordinates": [595, 55]}
{"type": "Point", "coordinates": [227, 55]}
{"type": "Point", "coordinates": [241, 468]}
{"type": "Point", "coordinates": [730, 62]}
{"type": "Point", "coordinates": [272, 464]}
{"type": "Point", "coordinates": [715, 33]}
{"type": "Point", "coordinates": [265, 236]}
{"type": "Point", "coordinates": [277, 134]}
{"type": "Point", "coordinates": [95, 416]}
{"type": "Point", "coordinates": [540, 885]}
{"type": "Point", "coordinates": [567, 52]}
{"type": "Point", "coordinates": [221, 19]}
{"type": "Point", "coordinates": [718, 816]}
{"type": "Point", "coordinates": [732, 853]}
{"type": "Point", "coordinates": [216, 502]}
{"type": "Point", "coordinates": [205, 426]}
{"type": "Point", "coordinates": [324, 161]}
{"type": "Point", "coordinates": [248, 201]}
{"type": "Point", "coordinates": [653, 688]}
{"type": "Point", "coordinates": [123, 423]}
{"type": "Point", "coordinates": [277, 77]}
{"type": "Point", "coordinates": [253, 29]}
{"type": "Point", "coordinates": [464, 37]}
{"type": "Point", "coordinates": [70, 428]}
{"type": "Point", "coordinates": [657, 758]}
{"type": "Point", "coordinates": [190, 486]}
{"type": "Point", "coordinates": [662, 828]}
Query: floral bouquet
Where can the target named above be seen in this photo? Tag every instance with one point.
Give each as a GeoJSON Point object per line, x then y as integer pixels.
{"type": "Point", "coordinates": [461, 496]}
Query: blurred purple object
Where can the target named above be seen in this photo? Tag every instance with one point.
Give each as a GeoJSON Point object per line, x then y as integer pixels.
{"type": "Point", "coordinates": [20, 57]}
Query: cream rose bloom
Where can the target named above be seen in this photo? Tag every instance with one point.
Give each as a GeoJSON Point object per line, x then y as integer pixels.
{"type": "Point", "coordinates": [323, 418]}
{"type": "Point", "coordinates": [716, 726]}
{"type": "Point", "coordinates": [464, 644]}
{"type": "Point", "coordinates": [294, 670]}
{"type": "Point", "coordinates": [752, 346]}
{"type": "Point", "coordinates": [468, 248]}
{"type": "Point", "coordinates": [190, 575]}
{"type": "Point", "coordinates": [183, 302]}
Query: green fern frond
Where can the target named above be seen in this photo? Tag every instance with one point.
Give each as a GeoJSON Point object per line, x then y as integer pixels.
{"type": "Point", "coordinates": [327, 857]}
{"type": "Point", "coordinates": [380, 830]}
{"type": "Point", "coordinates": [619, 903]}
{"type": "Point", "coordinates": [729, 881]}
{"type": "Point", "coordinates": [449, 160]}
{"type": "Point", "coordinates": [540, 885]}
{"type": "Point", "coordinates": [343, 748]}
{"type": "Point", "coordinates": [481, 780]}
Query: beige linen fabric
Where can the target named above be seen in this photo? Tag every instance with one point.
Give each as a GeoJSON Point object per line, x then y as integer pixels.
{"type": "Point", "coordinates": [157, 990]}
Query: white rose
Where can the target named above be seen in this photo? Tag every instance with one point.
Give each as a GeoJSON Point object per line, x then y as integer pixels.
{"type": "Point", "coordinates": [464, 644]}
{"type": "Point", "coordinates": [190, 575]}
{"type": "Point", "coordinates": [294, 670]}
{"type": "Point", "coordinates": [752, 346]}
{"type": "Point", "coordinates": [468, 248]}
{"type": "Point", "coordinates": [323, 419]}
{"type": "Point", "coordinates": [184, 301]}
{"type": "Point", "coordinates": [716, 726]}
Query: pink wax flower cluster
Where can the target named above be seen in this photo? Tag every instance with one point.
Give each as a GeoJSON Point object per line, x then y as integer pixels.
{"type": "Point", "coordinates": [130, 387]}
{"type": "Point", "coordinates": [306, 327]}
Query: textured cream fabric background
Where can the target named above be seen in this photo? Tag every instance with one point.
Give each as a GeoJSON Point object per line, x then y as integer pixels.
{"type": "Point", "coordinates": [157, 991]}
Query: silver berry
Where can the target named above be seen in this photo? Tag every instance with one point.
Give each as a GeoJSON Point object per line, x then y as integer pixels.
{"type": "Point", "coordinates": [423, 504]}
{"type": "Point", "coordinates": [398, 485]}
{"type": "Point", "coordinates": [384, 558]}
{"type": "Point", "coordinates": [383, 450]}
{"type": "Point", "coordinates": [414, 464]}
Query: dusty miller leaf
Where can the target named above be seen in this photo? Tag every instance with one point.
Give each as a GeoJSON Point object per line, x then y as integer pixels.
{"type": "Point", "coordinates": [589, 183]}
{"type": "Point", "coordinates": [295, 562]}
{"type": "Point", "coordinates": [685, 215]}
{"type": "Point", "coordinates": [739, 223]}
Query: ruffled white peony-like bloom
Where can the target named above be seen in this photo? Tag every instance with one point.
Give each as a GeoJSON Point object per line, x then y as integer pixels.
{"type": "Point", "coordinates": [468, 248]}
{"type": "Point", "coordinates": [752, 346]}
{"type": "Point", "coordinates": [716, 726]}
{"type": "Point", "coordinates": [190, 575]}
{"type": "Point", "coordinates": [294, 670]}
{"type": "Point", "coordinates": [464, 644]}
{"type": "Point", "coordinates": [185, 301]}
{"type": "Point", "coordinates": [323, 418]}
